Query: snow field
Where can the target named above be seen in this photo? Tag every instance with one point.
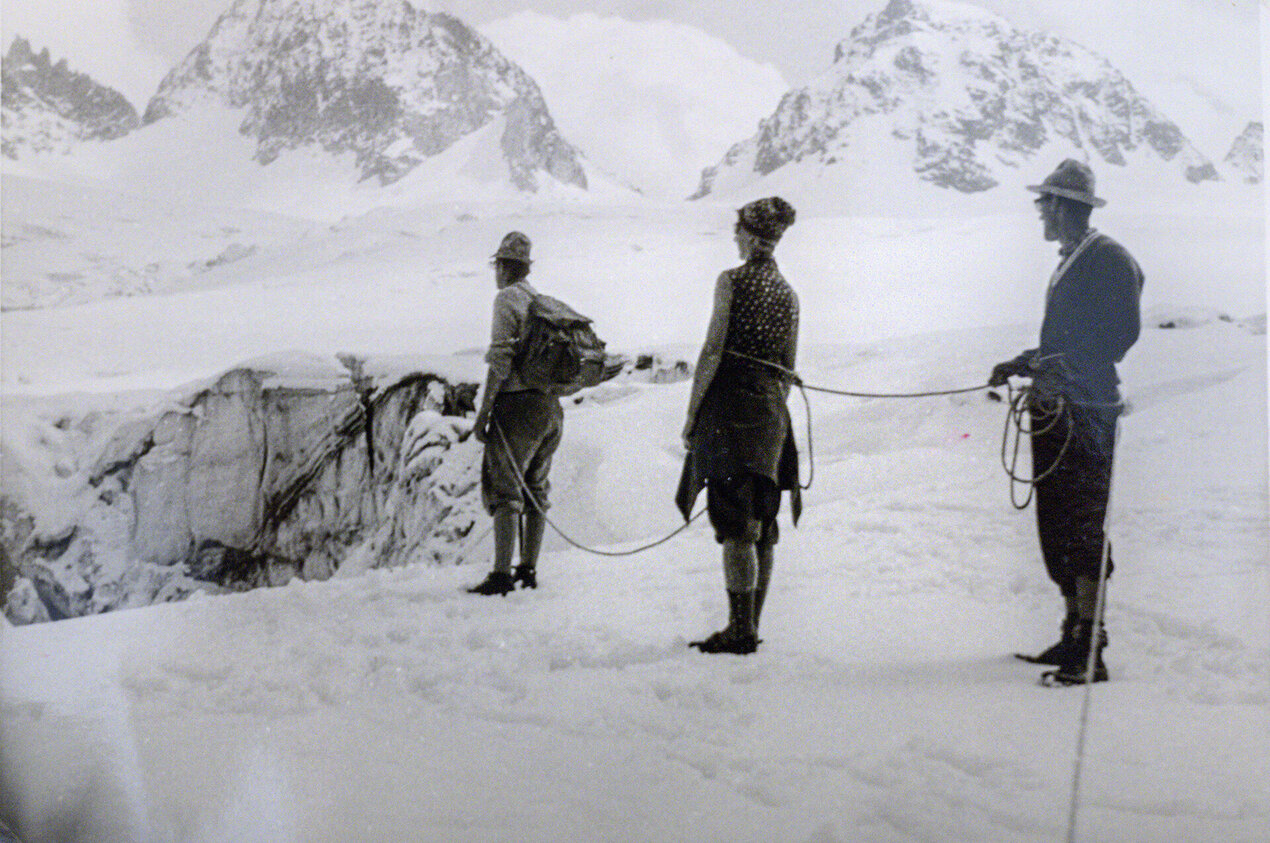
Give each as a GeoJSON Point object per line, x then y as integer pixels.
{"type": "Point", "coordinates": [412, 280]}
{"type": "Point", "coordinates": [882, 705]}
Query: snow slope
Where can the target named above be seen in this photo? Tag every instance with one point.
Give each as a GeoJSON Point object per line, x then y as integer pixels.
{"type": "Point", "coordinates": [416, 279]}
{"type": "Point", "coordinates": [651, 102]}
{"type": "Point", "coordinates": [66, 244]}
{"type": "Point", "coordinates": [882, 705]}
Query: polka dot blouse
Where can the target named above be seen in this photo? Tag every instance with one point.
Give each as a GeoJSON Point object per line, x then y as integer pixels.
{"type": "Point", "coordinates": [763, 318]}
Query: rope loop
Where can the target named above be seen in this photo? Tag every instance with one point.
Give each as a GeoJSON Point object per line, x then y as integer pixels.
{"type": "Point", "coordinates": [795, 380]}
{"type": "Point", "coordinates": [524, 487]}
{"type": "Point", "coordinates": [1030, 406]}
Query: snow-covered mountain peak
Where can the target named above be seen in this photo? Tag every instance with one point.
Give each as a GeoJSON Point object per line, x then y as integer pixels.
{"type": "Point", "coordinates": [381, 79]}
{"type": "Point", "coordinates": [919, 20]}
{"type": "Point", "coordinates": [905, 14]}
{"type": "Point", "coordinates": [963, 99]}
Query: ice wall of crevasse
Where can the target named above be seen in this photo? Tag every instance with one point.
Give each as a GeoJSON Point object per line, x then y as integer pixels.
{"type": "Point", "coordinates": [263, 475]}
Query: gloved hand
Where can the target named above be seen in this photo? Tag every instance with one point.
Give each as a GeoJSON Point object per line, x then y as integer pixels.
{"type": "Point", "coordinates": [1002, 372]}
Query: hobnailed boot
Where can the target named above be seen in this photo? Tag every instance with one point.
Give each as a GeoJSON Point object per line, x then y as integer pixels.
{"type": "Point", "coordinates": [1075, 670]}
{"type": "Point", "coordinates": [1060, 651]}
{"type": "Point", "coordinates": [738, 637]}
{"type": "Point", "coordinates": [500, 579]}
{"type": "Point", "coordinates": [525, 576]}
{"type": "Point", "coordinates": [498, 582]}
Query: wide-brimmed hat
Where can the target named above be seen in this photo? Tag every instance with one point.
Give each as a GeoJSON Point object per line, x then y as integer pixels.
{"type": "Point", "coordinates": [767, 218]}
{"type": "Point", "coordinates": [1071, 180]}
{"type": "Point", "coordinates": [515, 247]}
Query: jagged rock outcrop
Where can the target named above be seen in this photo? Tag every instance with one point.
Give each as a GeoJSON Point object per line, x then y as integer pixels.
{"type": "Point", "coordinates": [266, 474]}
{"type": "Point", "coordinates": [389, 83]}
{"type": "Point", "coordinates": [47, 107]}
{"type": "Point", "coordinates": [1245, 156]}
{"type": "Point", "coordinates": [967, 93]}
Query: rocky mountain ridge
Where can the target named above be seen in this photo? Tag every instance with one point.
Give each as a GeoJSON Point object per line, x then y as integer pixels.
{"type": "Point", "coordinates": [1245, 155]}
{"type": "Point", "coordinates": [45, 106]}
{"type": "Point", "coordinates": [379, 79]}
{"type": "Point", "coordinates": [970, 97]}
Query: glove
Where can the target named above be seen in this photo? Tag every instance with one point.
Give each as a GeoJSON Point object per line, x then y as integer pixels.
{"type": "Point", "coordinates": [1002, 372]}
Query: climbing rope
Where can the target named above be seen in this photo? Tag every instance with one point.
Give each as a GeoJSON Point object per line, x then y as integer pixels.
{"type": "Point", "coordinates": [1028, 406]}
{"type": "Point", "coordinates": [1091, 658]}
{"type": "Point", "coordinates": [796, 380]}
{"type": "Point", "coordinates": [524, 487]}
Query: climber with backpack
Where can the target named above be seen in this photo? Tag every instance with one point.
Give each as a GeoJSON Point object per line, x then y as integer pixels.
{"type": "Point", "coordinates": [539, 350]}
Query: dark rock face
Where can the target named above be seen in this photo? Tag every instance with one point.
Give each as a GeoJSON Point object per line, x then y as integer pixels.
{"type": "Point", "coordinates": [46, 106]}
{"type": "Point", "coordinates": [252, 481]}
{"type": "Point", "coordinates": [972, 94]}
{"type": "Point", "coordinates": [380, 79]}
{"type": "Point", "coordinates": [1245, 156]}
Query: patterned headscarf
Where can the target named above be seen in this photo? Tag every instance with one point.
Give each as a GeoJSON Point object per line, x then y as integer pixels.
{"type": "Point", "coordinates": [767, 218]}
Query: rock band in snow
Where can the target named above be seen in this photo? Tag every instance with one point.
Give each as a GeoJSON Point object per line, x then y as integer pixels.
{"type": "Point", "coordinates": [739, 442]}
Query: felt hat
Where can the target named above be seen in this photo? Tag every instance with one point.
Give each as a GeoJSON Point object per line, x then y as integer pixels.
{"type": "Point", "coordinates": [515, 247]}
{"type": "Point", "coordinates": [1071, 180]}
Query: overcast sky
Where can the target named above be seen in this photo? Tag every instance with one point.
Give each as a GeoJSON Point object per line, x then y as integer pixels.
{"type": "Point", "coordinates": [1210, 46]}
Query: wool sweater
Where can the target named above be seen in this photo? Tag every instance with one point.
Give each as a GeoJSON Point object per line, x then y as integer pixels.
{"type": "Point", "coordinates": [1092, 319]}
{"type": "Point", "coordinates": [511, 312]}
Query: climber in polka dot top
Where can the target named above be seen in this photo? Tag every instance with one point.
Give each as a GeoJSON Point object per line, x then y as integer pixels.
{"type": "Point", "coordinates": [739, 443]}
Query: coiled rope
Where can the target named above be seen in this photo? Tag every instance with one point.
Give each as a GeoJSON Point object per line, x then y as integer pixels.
{"type": "Point", "coordinates": [1029, 406]}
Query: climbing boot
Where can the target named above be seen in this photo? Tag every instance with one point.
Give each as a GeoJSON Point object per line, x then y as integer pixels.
{"type": "Point", "coordinates": [498, 582]}
{"type": "Point", "coordinates": [525, 576]}
{"type": "Point", "coordinates": [1075, 669]}
{"type": "Point", "coordinates": [728, 641]}
{"type": "Point", "coordinates": [1060, 651]}
{"type": "Point", "coordinates": [738, 637]}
